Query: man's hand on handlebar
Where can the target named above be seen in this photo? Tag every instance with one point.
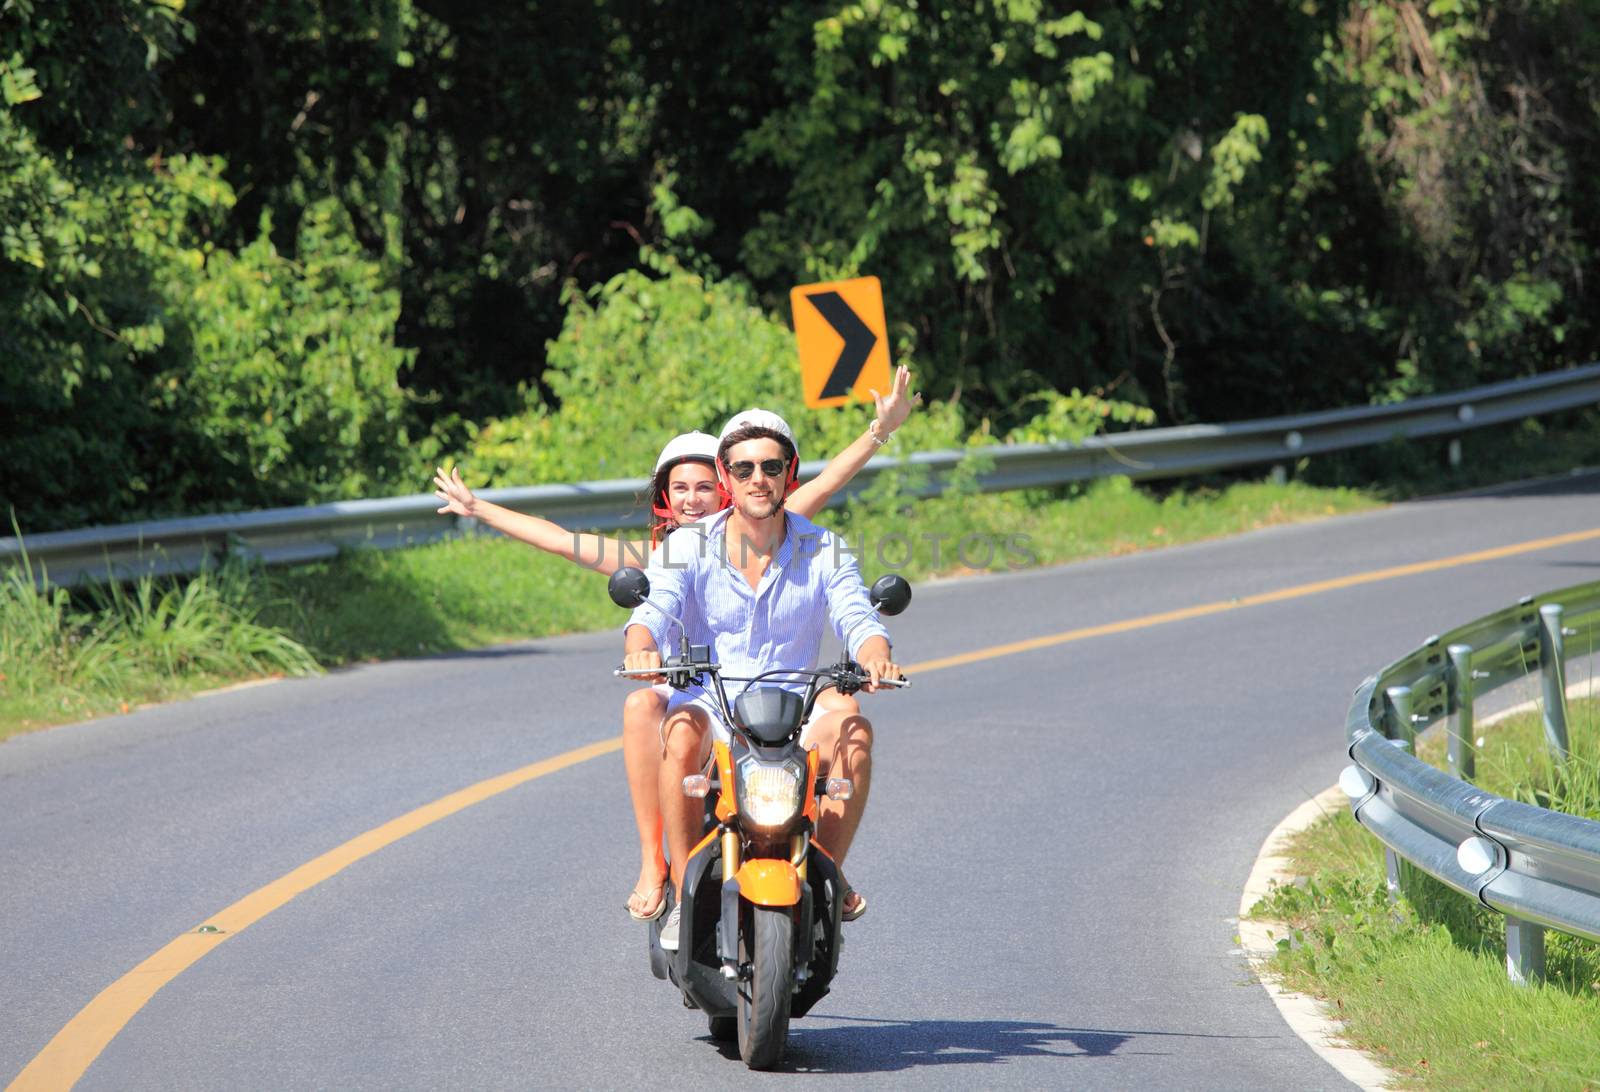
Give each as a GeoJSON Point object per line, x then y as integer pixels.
{"type": "Point", "coordinates": [878, 670]}
{"type": "Point", "coordinates": [644, 660]}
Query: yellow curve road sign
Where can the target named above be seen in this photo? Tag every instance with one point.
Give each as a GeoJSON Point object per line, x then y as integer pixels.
{"type": "Point", "coordinates": [843, 339]}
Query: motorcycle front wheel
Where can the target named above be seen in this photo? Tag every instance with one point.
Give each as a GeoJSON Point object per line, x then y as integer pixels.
{"type": "Point", "coordinates": [763, 1014]}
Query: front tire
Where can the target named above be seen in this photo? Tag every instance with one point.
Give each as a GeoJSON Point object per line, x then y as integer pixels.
{"type": "Point", "coordinates": [763, 1014]}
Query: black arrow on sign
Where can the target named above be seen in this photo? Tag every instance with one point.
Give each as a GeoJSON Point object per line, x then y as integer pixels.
{"type": "Point", "coordinates": [858, 342]}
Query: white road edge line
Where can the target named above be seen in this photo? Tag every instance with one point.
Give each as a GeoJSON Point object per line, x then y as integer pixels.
{"type": "Point", "coordinates": [1306, 1016]}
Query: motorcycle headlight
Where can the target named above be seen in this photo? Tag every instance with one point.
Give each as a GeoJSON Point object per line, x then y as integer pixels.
{"type": "Point", "coordinates": [769, 793]}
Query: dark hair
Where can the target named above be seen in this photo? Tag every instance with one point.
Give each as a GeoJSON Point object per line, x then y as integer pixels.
{"type": "Point", "coordinates": [754, 432]}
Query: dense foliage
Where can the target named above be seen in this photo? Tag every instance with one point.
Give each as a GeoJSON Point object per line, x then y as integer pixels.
{"type": "Point", "coordinates": [265, 253]}
{"type": "Point", "coordinates": [147, 367]}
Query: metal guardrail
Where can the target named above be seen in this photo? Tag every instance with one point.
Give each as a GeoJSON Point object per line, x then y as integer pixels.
{"type": "Point", "coordinates": [1539, 868]}
{"type": "Point", "coordinates": [285, 535]}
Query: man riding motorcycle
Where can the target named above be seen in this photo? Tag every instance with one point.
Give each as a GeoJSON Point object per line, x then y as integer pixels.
{"type": "Point", "coordinates": [757, 584]}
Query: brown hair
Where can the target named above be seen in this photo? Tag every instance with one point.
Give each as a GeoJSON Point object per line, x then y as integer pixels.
{"type": "Point", "coordinates": [754, 432]}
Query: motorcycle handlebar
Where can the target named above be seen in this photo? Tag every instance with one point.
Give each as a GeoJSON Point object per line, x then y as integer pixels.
{"type": "Point", "coordinates": [669, 669]}
{"type": "Point", "coordinates": [664, 669]}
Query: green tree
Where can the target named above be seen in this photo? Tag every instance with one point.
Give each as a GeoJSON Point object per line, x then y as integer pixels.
{"type": "Point", "coordinates": [145, 369]}
{"type": "Point", "coordinates": [656, 352]}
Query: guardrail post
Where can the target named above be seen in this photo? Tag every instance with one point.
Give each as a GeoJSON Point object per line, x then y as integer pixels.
{"type": "Point", "coordinates": [1393, 881]}
{"type": "Point", "coordinates": [1524, 951]}
{"type": "Point", "coordinates": [1401, 730]}
{"type": "Point", "coordinates": [1463, 754]}
{"type": "Point", "coordinates": [1553, 675]}
{"type": "Point", "coordinates": [1401, 727]}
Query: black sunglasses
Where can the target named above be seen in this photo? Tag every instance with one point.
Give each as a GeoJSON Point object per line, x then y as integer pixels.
{"type": "Point", "coordinates": [772, 468]}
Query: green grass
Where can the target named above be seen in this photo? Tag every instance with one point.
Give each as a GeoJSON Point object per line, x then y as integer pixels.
{"type": "Point", "coordinates": [69, 656]}
{"type": "Point", "coordinates": [455, 594]}
{"type": "Point", "coordinates": [1423, 985]}
{"type": "Point", "coordinates": [1514, 760]}
{"type": "Point", "coordinates": [65, 657]}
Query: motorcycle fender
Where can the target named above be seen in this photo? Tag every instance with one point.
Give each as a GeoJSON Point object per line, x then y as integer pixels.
{"type": "Point", "coordinates": [768, 882]}
{"type": "Point", "coordinates": [705, 860]}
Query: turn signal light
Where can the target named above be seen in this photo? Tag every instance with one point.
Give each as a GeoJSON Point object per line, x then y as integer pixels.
{"type": "Point", "coordinates": [840, 788]}
{"type": "Point", "coordinates": [696, 785]}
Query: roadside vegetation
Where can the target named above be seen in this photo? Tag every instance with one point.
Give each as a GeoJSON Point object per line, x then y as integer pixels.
{"type": "Point", "coordinates": [66, 656]}
{"type": "Point", "coordinates": [666, 352]}
{"type": "Point", "coordinates": [1422, 985]}
{"type": "Point", "coordinates": [213, 301]}
{"type": "Point", "coordinates": [219, 301]}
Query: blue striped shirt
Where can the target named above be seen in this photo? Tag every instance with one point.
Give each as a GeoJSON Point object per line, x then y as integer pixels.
{"type": "Point", "coordinates": [813, 579]}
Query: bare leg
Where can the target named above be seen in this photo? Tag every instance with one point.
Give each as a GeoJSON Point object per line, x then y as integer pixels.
{"type": "Point", "coordinates": [688, 738]}
{"type": "Point", "coordinates": [641, 757]}
{"type": "Point", "coordinates": [844, 741]}
{"type": "Point", "coordinates": [831, 701]}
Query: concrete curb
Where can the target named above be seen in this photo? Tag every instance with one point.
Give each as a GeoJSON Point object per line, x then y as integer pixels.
{"type": "Point", "coordinates": [1306, 1016]}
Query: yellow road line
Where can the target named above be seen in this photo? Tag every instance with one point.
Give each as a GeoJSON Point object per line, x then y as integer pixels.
{"type": "Point", "coordinates": [65, 1058]}
{"type": "Point", "coordinates": [1299, 591]}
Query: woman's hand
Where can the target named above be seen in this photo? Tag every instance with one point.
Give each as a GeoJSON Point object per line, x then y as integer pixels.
{"type": "Point", "coordinates": [893, 410]}
{"type": "Point", "coordinates": [458, 499]}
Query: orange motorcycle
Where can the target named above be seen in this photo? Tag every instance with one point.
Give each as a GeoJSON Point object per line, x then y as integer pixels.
{"type": "Point", "coordinates": [758, 936]}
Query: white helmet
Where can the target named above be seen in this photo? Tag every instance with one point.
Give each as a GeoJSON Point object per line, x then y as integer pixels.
{"type": "Point", "coordinates": [699, 446]}
{"type": "Point", "coordinates": [759, 418]}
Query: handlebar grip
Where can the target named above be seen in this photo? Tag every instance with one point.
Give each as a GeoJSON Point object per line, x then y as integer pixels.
{"type": "Point", "coordinates": [668, 671]}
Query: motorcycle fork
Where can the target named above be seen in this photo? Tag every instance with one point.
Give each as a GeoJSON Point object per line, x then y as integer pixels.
{"type": "Point", "coordinates": [728, 923]}
{"type": "Point", "coordinates": [731, 918]}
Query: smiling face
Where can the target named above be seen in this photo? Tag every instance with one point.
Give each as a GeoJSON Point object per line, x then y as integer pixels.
{"type": "Point", "coordinates": [692, 491]}
{"type": "Point", "coordinates": [759, 497]}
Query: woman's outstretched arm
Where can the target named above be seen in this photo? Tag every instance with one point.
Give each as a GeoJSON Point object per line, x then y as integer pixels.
{"type": "Point", "coordinates": [604, 555]}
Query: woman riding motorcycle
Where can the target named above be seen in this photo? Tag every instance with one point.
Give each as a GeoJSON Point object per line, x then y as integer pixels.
{"type": "Point", "coordinates": [683, 489]}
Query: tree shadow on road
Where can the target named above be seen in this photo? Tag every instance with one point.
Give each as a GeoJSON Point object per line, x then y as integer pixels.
{"type": "Point", "coordinates": [888, 1046]}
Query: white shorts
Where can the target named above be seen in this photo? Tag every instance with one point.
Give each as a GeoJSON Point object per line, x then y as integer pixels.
{"type": "Point", "coordinates": [707, 705]}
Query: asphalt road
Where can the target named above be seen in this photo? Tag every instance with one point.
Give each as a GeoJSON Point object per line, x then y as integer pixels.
{"type": "Point", "coordinates": [1054, 851]}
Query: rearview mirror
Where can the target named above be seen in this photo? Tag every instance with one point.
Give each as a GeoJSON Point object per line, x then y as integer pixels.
{"type": "Point", "coordinates": [628, 587]}
{"type": "Point", "coordinates": [891, 594]}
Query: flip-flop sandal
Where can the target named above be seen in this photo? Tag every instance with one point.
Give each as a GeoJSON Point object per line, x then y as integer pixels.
{"type": "Point", "coordinates": [861, 905]}
{"type": "Point", "coordinates": [654, 914]}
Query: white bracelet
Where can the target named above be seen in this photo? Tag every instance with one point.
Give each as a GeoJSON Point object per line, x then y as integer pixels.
{"type": "Point", "coordinates": [872, 431]}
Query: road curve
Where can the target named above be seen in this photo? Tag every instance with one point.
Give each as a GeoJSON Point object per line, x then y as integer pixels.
{"type": "Point", "coordinates": [1054, 851]}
